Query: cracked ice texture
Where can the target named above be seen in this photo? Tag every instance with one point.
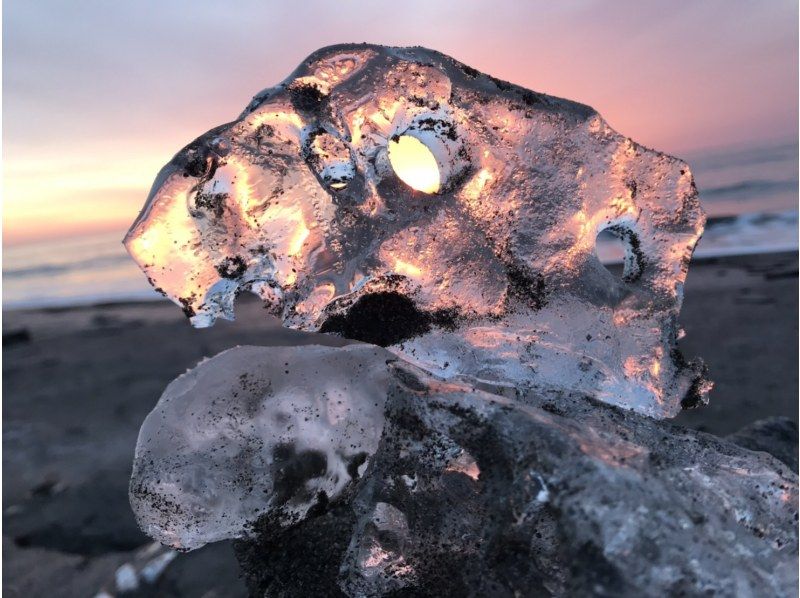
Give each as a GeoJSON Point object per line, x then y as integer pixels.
{"type": "Point", "coordinates": [252, 432]}
{"type": "Point", "coordinates": [494, 276]}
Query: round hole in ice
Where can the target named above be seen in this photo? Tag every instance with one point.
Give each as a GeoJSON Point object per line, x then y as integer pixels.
{"type": "Point", "coordinates": [616, 245]}
{"type": "Point", "coordinates": [414, 164]}
{"type": "Point", "coordinates": [609, 247]}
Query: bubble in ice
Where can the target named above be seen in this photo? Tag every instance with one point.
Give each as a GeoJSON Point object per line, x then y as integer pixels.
{"type": "Point", "coordinates": [399, 197]}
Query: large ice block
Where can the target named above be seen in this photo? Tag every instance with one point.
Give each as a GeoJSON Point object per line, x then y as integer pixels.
{"type": "Point", "coordinates": [489, 271]}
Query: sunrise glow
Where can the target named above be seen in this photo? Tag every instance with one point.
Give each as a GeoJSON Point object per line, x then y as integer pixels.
{"type": "Point", "coordinates": [81, 151]}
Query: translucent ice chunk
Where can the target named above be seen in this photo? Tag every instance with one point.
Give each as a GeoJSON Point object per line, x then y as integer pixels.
{"type": "Point", "coordinates": [578, 499]}
{"type": "Point", "coordinates": [256, 431]}
{"type": "Point", "coordinates": [494, 275]}
{"type": "Point", "coordinates": [438, 488]}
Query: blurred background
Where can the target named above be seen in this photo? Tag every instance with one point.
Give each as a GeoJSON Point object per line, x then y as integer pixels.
{"type": "Point", "coordinates": [97, 96]}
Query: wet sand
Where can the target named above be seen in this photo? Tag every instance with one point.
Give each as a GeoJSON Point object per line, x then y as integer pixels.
{"type": "Point", "coordinates": [78, 382]}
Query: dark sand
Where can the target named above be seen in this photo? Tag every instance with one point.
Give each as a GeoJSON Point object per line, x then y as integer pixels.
{"type": "Point", "coordinates": [78, 382]}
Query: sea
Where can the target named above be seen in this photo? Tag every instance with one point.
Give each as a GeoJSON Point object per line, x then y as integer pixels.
{"type": "Point", "coordinates": [750, 196]}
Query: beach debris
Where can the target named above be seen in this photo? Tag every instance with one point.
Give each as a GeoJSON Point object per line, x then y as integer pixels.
{"type": "Point", "coordinates": [256, 432]}
{"type": "Point", "coordinates": [398, 197]}
{"type": "Point", "coordinates": [126, 579]}
{"type": "Point", "coordinates": [418, 484]}
{"type": "Point", "coordinates": [138, 576]}
{"type": "Point", "coordinates": [16, 337]}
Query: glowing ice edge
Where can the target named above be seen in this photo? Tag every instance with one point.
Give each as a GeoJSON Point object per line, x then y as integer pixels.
{"type": "Point", "coordinates": [298, 202]}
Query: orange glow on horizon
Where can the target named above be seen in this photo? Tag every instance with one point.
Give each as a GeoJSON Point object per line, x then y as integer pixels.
{"type": "Point", "coordinates": [47, 197]}
{"type": "Point", "coordinates": [83, 143]}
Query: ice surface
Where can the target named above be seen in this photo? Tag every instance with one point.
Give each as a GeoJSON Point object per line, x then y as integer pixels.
{"type": "Point", "coordinates": [494, 276]}
{"type": "Point", "coordinates": [571, 499]}
{"type": "Point", "coordinates": [256, 431]}
{"type": "Point", "coordinates": [438, 488]}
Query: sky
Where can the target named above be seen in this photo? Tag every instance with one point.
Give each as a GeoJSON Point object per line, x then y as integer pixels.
{"type": "Point", "coordinates": [98, 95]}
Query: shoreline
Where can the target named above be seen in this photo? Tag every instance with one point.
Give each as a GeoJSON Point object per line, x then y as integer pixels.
{"type": "Point", "coordinates": [728, 288]}
{"type": "Point", "coordinates": [610, 257]}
